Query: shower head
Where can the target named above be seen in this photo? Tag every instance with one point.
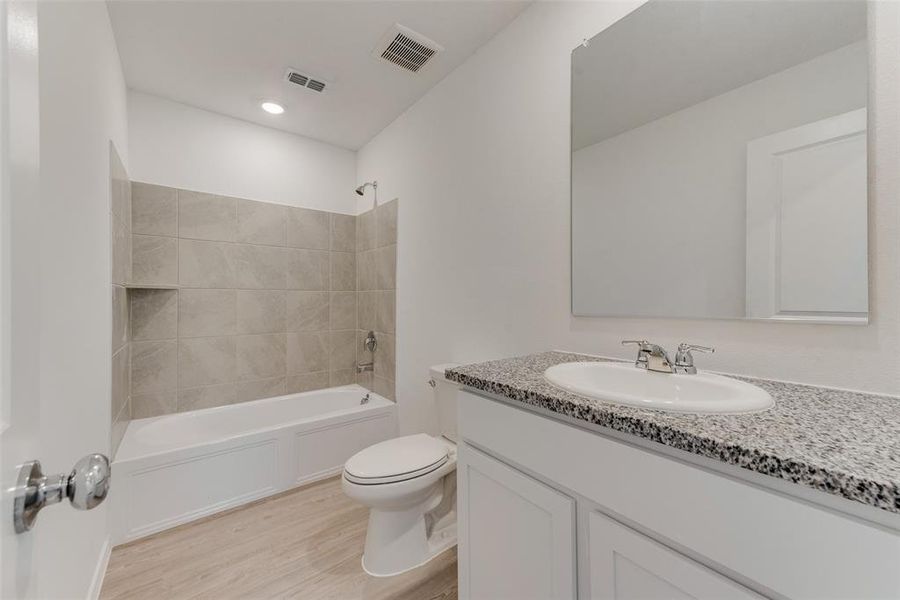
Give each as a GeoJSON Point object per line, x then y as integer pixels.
{"type": "Point", "coordinates": [362, 189]}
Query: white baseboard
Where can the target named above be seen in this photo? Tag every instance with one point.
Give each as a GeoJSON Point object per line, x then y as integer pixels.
{"type": "Point", "coordinates": [100, 572]}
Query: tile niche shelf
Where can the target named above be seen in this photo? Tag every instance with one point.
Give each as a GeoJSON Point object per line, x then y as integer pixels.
{"type": "Point", "coordinates": [150, 286]}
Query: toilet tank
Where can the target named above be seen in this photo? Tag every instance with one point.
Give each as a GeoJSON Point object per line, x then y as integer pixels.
{"type": "Point", "coordinates": [445, 400]}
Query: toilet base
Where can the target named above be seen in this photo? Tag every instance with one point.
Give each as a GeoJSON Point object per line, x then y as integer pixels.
{"type": "Point", "coordinates": [399, 540]}
{"type": "Point", "coordinates": [441, 540]}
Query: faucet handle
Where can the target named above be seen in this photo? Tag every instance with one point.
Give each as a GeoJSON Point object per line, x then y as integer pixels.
{"type": "Point", "coordinates": [682, 347]}
{"type": "Point", "coordinates": [641, 343]}
{"type": "Point", "coordinates": [684, 360]}
{"type": "Point", "coordinates": [641, 360]}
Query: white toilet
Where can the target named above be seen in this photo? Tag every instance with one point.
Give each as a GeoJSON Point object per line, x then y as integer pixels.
{"type": "Point", "coordinates": [409, 485]}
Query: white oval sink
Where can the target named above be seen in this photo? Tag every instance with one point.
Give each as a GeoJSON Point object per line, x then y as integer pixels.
{"type": "Point", "coordinates": [675, 392]}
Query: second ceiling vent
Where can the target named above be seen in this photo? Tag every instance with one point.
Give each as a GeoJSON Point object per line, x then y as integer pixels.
{"type": "Point", "coordinates": [405, 48]}
{"type": "Point", "coordinates": [298, 78]}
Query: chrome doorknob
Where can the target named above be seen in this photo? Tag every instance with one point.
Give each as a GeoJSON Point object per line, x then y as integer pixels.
{"type": "Point", "coordinates": [89, 482]}
{"type": "Point", "coordinates": [85, 486]}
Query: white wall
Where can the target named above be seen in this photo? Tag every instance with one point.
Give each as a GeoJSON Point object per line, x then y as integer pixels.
{"type": "Point", "coordinates": [679, 184]}
{"type": "Point", "coordinates": [481, 165]}
{"type": "Point", "coordinates": [82, 108]}
{"type": "Point", "coordinates": [185, 147]}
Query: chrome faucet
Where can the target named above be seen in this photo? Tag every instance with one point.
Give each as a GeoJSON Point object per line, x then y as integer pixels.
{"type": "Point", "coordinates": [684, 360]}
{"type": "Point", "coordinates": [651, 357]}
{"type": "Point", "coordinates": [655, 358]}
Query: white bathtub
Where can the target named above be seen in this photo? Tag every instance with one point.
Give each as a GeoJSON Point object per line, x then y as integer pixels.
{"type": "Point", "coordinates": [176, 468]}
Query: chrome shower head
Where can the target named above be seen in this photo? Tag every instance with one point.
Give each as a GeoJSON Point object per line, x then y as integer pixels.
{"type": "Point", "coordinates": [362, 189]}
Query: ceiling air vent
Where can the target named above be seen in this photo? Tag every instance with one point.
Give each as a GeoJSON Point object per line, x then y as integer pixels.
{"type": "Point", "coordinates": [305, 81]}
{"type": "Point", "coordinates": [406, 48]}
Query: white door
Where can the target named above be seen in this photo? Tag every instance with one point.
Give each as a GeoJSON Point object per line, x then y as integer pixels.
{"type": "Point", "coordinates": [626, 565]}
{"type": "Point", "coordinates": [55, 559]}
{"type": "Point", "coordinates": [517, 539]}
{"type": "Point", "coordinates": [19, 280]}
{"type": "Point", "coordinates": [807, 222]}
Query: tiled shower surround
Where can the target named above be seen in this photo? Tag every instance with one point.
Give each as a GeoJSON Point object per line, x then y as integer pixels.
{"type": "Point", "coordinates": [247, 300]}
{"type": "Point", "coordinates": [376, 260]}
{"type": "Point", "coordinates": [120, 266]}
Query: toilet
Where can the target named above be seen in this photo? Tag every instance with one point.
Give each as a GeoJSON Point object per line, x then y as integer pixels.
{"type": "Point", "coordinates": [409, 485]}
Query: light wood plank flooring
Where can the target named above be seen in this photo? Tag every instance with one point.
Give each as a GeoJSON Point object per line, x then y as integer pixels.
{"type": "Point", "coordinates": [306, 543]}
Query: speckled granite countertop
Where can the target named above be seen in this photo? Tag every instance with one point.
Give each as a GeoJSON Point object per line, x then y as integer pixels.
{"type": "Point", "coordinates": [843, 443]}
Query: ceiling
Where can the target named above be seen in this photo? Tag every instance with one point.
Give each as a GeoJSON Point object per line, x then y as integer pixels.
{"type": "Point", "coordinates": [228, 57]}
{"type": "Point", "coordinates": [667, 56]}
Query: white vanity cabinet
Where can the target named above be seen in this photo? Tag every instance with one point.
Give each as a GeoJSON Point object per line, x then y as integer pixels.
{"type": "Point", "coordinates": [519, 533]}
{"type": "Point", "coordinates": [550, 509]}
{"type": "Point", "coordinates": [627, 565]}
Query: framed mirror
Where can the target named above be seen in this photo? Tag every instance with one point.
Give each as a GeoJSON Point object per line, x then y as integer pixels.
{"type": "Point", "coordinates": [719, 162]}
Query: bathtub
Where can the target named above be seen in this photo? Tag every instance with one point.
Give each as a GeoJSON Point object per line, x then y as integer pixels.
{"type": "Point", "coordinates": [177, 468]}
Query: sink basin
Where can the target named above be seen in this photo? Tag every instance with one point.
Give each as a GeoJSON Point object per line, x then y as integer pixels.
{"type": "Point", "coordinates": [703, 393]}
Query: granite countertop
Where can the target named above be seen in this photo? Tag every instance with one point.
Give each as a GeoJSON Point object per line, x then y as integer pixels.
{"type": "Point", "coordinates": [839, 442]}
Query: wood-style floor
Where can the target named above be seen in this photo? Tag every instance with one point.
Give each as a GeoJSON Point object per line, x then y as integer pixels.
{"type": "Point", "coordinates": [306, 543]}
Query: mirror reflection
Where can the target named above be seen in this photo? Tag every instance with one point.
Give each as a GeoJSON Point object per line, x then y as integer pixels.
{"type": "Point", "coordinates": [719, 164]}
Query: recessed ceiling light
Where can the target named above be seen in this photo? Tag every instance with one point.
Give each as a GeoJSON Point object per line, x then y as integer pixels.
{"type": "Point", "coordinates": [272, 108]}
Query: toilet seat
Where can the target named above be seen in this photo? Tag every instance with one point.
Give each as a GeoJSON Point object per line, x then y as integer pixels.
{"type": "Point", "coordinates": [395, 460]}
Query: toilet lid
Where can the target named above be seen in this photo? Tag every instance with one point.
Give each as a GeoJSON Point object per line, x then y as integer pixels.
{"type": "Point", "coordinates": [397, 459]}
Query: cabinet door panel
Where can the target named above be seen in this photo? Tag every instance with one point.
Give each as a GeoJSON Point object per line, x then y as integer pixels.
{"type": "Point", "coordinates": [626, 565]}
{"type": "Point", "coordinates": [517, 535]}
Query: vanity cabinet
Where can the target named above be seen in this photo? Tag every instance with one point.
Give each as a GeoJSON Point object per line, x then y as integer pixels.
{"type": "Point", "coordinates": [627, 565]}
{"type": "Point", "coordinates": [553, 509]}
{"type": "Point", "coordinates": [519, 533]}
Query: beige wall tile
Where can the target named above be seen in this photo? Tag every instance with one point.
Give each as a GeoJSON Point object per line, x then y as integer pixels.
{"type": "Point", "coordinates": [307, 352]}
{"type": "Point", "coordinates": [154, 260]}
{"type": "Point", "coordinates": [120, 317]}
{"type": "Point", "coordinates": [205, 264]}
{"type": "Point", "coordinates": [306, 382]}
{"type": "Point", "coordinates": [343, 310]}
{"type": "Point", "coordinates": [384, 387]}
{"type": "Point", "coordinates": [154, 314]}
{"type": "Point", "coordinates": [207, 396]}
{"type": "Point", "coordinates": [366, 311]}
{"type": "Point", "coordinates": [362, 355]}
{"type": "Point", "coordinates": [384, 357]}
{"type": "Point", "coordinates": [206, 216]}
{"type": "Point", "coordinates": [117, 430]}
{"type": "Point", "coordinates": [206, 313]}
{"type": "Point", "coordinates": [365, 231]}
{"type": "Point", "coordinates": [261, 223]}
{"type": "Point", "coordinates": [252, 318]}
{"type": "Point", "coordinates": [343, 232]}
{"type": "Point", "coordinates": [121, 249]}
{"type": "Point", "coordinates": [258, 267]}
{"type": "Point", "coordinates": [120, 187]}
{"type": "Point", "coordinates": [256, 390]}
{"type": "Point", "coordinates": [261, 311]}
{"type": "Point", "coordinates": [344, 377]}
{"type": "Point", "coordinates": [154, 210]}
{"type": "Point", "coordinates": [308, 229]}
{"type": "Point", "coordinates": [307, 311]}
{"type": "Point", "coordinates": [121, 381]}
{"type": "Point", "coordinates": [386, 268]}
{"type": "Point", "coordinates": [385, 311]}
{"type": "Point", "coordinates": [206, 361]}
{"type": "Point", "coordinates": [343, 350]}
{"type": "Point", "coordinates": [386, 224]}
{"type": "Point", "coordinates": [343, 271]}
{"type": "Point", "coordinates": [366, 380]}
{"type": "Point", "coordinates": [261, 356]}
{"type": "Point", "coordinates": [365, 270]}
{"type": "Point", "coordinates": [152, 405]}
{"type": "Point", "coordinates": [153, 367]}
{"type": "Point", "coordinates": [308, 270]}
